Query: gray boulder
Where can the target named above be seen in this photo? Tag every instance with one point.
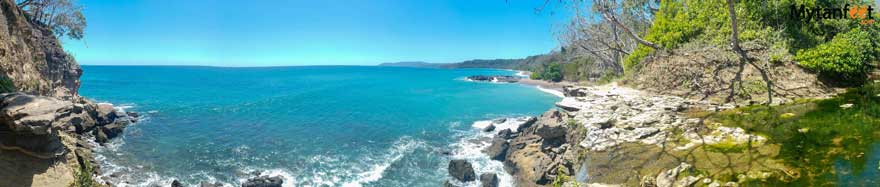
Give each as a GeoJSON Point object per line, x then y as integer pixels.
{"type": "Point", "coordinates": [506, 134]}
{"type": "Point", "coordinates": [551, 125]}
{"type": "Point", "coordinates": [176, 183]}
{"type": "Point", "coordinates": [498, 149]}
{"type": "Point", "coordinates": [264, 181]}
{"type": "Point", "coordinates": [209, 184]}
{"type": "Point", "coordinates": [531, 121]}
{"type": "Point", "coordinates": [489, 180]}
{"type": "Point", "coordinates": [462, 170]}
{"type": "Point", "coordinates": [489, 128]}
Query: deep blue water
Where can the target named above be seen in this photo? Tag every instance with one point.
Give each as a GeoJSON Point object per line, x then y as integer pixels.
{"type": "Point", "coordinates": [321, 125]}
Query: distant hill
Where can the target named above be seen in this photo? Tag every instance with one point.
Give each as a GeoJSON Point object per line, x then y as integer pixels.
{"type": "Point", "coordinates": [411, 64]}
{"type": "Point", "coordinates": [527, 63]}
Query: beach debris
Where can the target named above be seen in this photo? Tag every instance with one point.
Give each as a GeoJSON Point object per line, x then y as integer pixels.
{"type": "Point", "coordinates": [804, 130]}
{"type": "Point", "coordinates": [787, 115]}
{"type": "Point", "coordinates": [846, 106]}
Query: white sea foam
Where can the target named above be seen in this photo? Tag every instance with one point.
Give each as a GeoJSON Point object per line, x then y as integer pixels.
{"type": "Point", "coordinates": [509, 123]}
{"type": "Point", "coordinates": [471, 148]}
{"type": "Point", "coordinates": [522, 73]}
{"type": "Point", "coordinates": [401, 148]}
{"type": "Point", "coordinates": [551, 91]}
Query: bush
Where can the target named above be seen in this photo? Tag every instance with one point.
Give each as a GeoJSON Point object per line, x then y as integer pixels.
{"type": "Point", "coordinates": [6, 85]}
{"type": "Point", "coordinates": [83, 177]}
{"type": "Point", "coordinates": [847, 57]}
{"type": "Point", "coordinates": [550, 71]}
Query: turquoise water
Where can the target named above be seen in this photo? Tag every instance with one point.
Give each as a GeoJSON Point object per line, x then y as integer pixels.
{"type": "Point", "coordinates": [322, 125]}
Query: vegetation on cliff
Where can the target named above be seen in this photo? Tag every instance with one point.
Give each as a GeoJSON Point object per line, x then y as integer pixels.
{"type": "Point", "coordinates": [6, 85]}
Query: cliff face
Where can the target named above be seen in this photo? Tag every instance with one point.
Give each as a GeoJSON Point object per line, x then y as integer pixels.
{"type": "Point", "coordinates": [32, 57]}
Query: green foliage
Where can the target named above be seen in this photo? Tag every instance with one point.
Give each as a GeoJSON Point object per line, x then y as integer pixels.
{"type": "Point", "coordinates": [848, 56]}
{"type": "Point", "coordinates": [634, 58]}
{"type": "Point", "coordinates": [83, 177]}
{"type": "Point", "coordinates": [549, 72]}
{"type": "Point", "coordinates": [6, 85]}
{"type": "Point", "coordinates": [561, 176]}
{"type": "Point", "coordinates": [834, 47]}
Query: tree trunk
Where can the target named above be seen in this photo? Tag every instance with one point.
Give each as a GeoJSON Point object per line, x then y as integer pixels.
{"type": "Point", "coordinates": [743, 56]}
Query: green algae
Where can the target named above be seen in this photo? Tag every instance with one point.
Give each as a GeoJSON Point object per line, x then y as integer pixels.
{"type": "Point", "coordinates": [814, 135]}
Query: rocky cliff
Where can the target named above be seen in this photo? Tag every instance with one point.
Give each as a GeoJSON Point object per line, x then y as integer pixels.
{"type": "Point", "coordinates": [33, 58]}
{"type": "Point", "coordinates": [46, 130]}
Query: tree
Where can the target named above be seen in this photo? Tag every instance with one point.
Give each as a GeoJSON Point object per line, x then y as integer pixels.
{"type": "Point", "coordinates": [609, 30]}
{"type": "Point", "coordinates": [608, 9]}
{"type": "Point", "coordinates": [62, 17]}
{"type": "Point", "coordinates": [744, 57]}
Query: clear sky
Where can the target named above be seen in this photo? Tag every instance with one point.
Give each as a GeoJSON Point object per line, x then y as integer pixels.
{"type": "Point", "coordinates": [311, 32]}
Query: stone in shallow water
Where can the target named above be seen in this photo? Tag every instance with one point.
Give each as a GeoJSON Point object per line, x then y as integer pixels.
{"type": "Point", "coordinates": [489, 180]}
{"type": "Point", "coordinates": [498, 149]}
{"type": "Point", "coordinates": [264, 181]}
{"type": "Point", "coordinates": [462, 170]}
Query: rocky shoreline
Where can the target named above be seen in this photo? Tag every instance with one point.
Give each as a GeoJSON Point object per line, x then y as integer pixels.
{"type": "Point", "coordinates": [557, 147]}
{"type": "Point", "coordinates": [39, 131]}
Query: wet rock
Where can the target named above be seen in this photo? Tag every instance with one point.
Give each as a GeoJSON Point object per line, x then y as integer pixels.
{"type": "Point", "coordinates": [176, 183]}
{"type": "Point", "coordinates": [494, 78]}
{"type": "Point", "coordinates": [489, 128]}
{"type": "Point", "coordinates": [106, 114]}
{"type": "Point", "coordinates": [529, 122]}
{"type": "Point", "coordinates": [209, 184]}
{"type": "Point", "coordinates": [461, 170]}
{"type": "Point", "coordinates": [264, 181]}
{"type": "Point", "coordinates": [668, 178]}
{"type": "Point", "coordinates": [489, 180]}
{"type": "Point", "coordinates": [446, 183]}
{"type": "Point", "coordinates": [506, 134]}
{"type": "Point", "coordinates": [551, 126]}
{"type": "Point", "coordinates": [498, 149]}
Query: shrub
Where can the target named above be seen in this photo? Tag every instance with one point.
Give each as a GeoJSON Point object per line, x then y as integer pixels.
{"type": "Point", "coordinates": [6, 85]}
{"type": "Point", "coordinates": [83, 177]}
{"type": "Point", "coordinates": [847, 57]}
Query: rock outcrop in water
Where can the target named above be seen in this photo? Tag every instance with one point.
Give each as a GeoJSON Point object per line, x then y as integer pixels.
{"type": "Point", "coordinates": [494, 78]}
{"type": "Point", "coordinates": [264, 181]}
{"type": "Point", "coordinates": [41, 129]}
{"type": "Point", "coordinates": [462, 170]}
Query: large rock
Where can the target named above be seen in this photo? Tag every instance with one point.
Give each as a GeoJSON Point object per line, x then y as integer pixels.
{"type": "Point", "coordinates": [462, 170]}
{"type": "Point", "coordinates": [494, 78]}
{"type": "Point", "coordinates": [264, 181]}
{"type": "Point", "coordinates": [105, 113]}
{"type": "Point", "coordinates": [33, 123]}
{"type": "Point", "coordinates": [489, 180]}
{"type": "Point", "coordinates": [506, 134]}
{"type": "Point", "coordinates": [668, 178]}
{"type": "Point", "coordinates": [498, 149]}
{"type": "Point", "coordinates": [551, 125]}
{"type": "Point", "coordinates": [529, 122]}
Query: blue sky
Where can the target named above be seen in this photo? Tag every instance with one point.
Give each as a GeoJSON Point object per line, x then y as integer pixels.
{"type": "Point", "coordinates": [311, 32]}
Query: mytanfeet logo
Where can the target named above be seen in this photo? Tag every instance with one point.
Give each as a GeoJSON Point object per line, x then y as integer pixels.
{"type": "Point", "coordinates": [863, 13]}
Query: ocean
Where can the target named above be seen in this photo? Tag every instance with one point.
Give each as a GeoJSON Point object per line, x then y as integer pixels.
{"type": "Point", "coordinates": [313, 125]}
